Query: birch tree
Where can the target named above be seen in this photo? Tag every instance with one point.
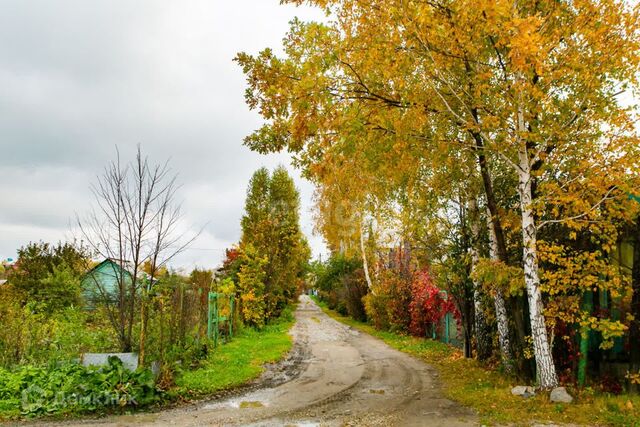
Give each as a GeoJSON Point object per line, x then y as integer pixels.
{"type": "Point", "coordinates": [523, 82]}
{"type": "Point", "coordinates": [500, 306]}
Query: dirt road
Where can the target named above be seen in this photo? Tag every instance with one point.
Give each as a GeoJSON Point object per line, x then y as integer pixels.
{"type": "Point", "coordinates": [341, 377]}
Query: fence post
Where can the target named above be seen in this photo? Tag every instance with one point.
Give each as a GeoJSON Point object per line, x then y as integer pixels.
{"type": "Point", "coordinates": [213, 318]}
{"type": "Point", "coordinates": [447, 319]}
{"type": "Point", "coordinates": [587, 305]}
{"type": "Point", "coordinates": [216, 321]}
{"type": "Point", "coordinates": [445, 296]}
{"type": "Point", "coordinates": [231, 303]}
{"type": "Point", "coordinates": [210, 315]}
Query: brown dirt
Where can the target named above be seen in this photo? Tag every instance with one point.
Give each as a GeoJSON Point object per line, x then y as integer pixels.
{"type": "Point", "coordinates": [335, 376]}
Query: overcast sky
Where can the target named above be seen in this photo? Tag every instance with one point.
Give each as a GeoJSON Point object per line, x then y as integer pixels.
{"type": "Point", "coordinates": [78, 78]}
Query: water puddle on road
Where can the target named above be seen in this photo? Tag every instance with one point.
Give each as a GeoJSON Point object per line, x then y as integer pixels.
{"type": "Point", "coordinates": [251, 404]}
{"type": "Point", "coordinates": [257, 399]}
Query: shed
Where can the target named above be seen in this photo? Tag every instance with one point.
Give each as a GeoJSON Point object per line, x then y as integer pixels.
{"type": "Point", "coordinates": [103, 281]}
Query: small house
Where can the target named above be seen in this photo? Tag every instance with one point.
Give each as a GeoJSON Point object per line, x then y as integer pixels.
{"type": "Point", "coordinates": [102, 282]}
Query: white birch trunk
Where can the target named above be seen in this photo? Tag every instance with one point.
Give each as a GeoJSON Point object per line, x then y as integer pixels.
{"type": "Point", "coordinates": [483, 340]}
{"type": "Point", "coordinates": [545, 368]}
{"type": "Point", "coordinates": [365, 265]}
{"type": "Point", "coordinates": [500, 306]}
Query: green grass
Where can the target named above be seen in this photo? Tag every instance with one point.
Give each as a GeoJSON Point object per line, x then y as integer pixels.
{"type": "Point", "coordinates": [489, 392]}
{"type": "Point", "coordinates": [238, 361]}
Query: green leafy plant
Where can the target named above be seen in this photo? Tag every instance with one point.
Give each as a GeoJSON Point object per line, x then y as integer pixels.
{"type": "Point", "coordinates": [69, 387]}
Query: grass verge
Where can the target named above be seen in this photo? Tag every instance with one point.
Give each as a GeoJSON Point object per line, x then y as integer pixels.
{"type": "Point", "coordinates": [489, 392]}
{"type": "Point", "coordinates": [238, 361]}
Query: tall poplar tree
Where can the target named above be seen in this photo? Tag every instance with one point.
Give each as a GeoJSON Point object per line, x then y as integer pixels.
{"type": "Point", "coordinates": [271, 227]}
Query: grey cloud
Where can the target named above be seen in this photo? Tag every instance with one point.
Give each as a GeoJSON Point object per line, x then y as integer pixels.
{"type": "Point", "coordinates": [79, 78]}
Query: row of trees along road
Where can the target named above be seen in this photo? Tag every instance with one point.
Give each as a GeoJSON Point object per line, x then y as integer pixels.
{"type": "Point", "coordinates": [492, 126]}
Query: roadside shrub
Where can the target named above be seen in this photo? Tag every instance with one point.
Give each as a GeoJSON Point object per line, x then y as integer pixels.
{"type": "Point", "coordinates": [342, 285]}
{"type": "Point", "coordinates": [31, 336]}
{"type": "Point", "coordinates": [70, 387]}
{"type": "Point", "coordinates": [376, 308]}
{"type": "Point", "coordinates": [49, 275]}
{"type": "Point", "coordinates": [387, 308]}
{"type": "Point", "coordinates": [428, 304]}
{"type": "Point", "coordinates": [251, 285]}
{"type": "Point", "coordinates": [607, 383]}
{"type": "Point", "coordinates": [354, 288]}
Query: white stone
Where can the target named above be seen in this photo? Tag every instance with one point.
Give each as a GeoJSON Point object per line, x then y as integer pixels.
{"type": "Point", "coordinates": [523, 390]}
{"type": "Point", "coordinates": [559, 394]}
{"type": "Point", "coordinates": [129, 360]}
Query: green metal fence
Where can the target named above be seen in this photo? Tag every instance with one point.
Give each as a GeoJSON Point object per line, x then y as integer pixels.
{"type": "Point", "coordinates": [215, 321]}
